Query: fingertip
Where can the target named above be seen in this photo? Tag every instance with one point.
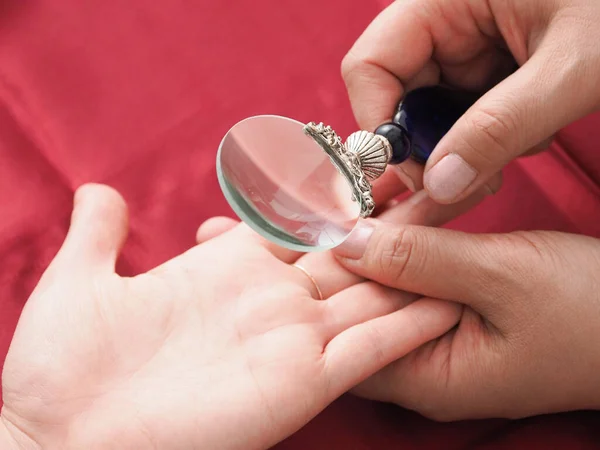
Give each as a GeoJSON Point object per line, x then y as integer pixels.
{"type": "Point", "coordinates": [213, 227]}
{"type": "Point", "coordinates": [355, 245]}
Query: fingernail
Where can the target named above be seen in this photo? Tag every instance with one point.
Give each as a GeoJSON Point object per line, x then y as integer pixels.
{"type": "Point", "coordinates": [449, 178]}
{"type": "Point", "coordinates": [356, 243]}
{"type": "Point", "coordinates": [405, 178]}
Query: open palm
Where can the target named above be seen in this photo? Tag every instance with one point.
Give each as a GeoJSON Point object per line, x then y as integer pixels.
{"type": "Point", "coordinates": [224, 346]}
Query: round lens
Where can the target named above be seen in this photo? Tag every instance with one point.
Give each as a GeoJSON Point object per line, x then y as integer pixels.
{"type": "Point", "coordinates": [281, 183]}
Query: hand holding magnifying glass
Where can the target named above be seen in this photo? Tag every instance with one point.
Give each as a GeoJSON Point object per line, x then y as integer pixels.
{"type": "Point", "coordinates": [301, 187]}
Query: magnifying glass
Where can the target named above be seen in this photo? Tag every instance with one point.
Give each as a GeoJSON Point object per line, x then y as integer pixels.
{"type": "Point", "coordinates": [300, 186]}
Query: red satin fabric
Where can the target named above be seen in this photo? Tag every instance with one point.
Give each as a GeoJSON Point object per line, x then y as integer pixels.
{"type": "Point", "coordinates": [138, 94]}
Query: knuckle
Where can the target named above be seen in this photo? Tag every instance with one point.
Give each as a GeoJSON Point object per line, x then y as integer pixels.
{"type": "Point", "coordinates": [530, 240]}
{"type": "Point", "coordinates": [525, 261]}
{"type": "Point", "coordinates": [351, 64]}
{"type": "Point", "coordinates": [494, 131]}
{"type": "Point", "coordinates": [542, 251]}
{"type": "Point", "coordinates": [359, 72]}
{"type": "Point", "coordinates": [396, 254]}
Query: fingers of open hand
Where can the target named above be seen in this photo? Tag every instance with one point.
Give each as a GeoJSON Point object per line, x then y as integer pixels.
{"type": "Point", "coordinates": [328, 274]}
{"type": "Point", "coordinates": [361, 303]}
{"type": "Point", "coordinates": [213, 227]}
{"type": "Point", "coordinates": [320, 273]}
{"type": "Point", "coordinates": [242, 238]}
{"type": "Point", "coordinates": [360, 351]}
{"type": "Point", "coordinates": [222, 236]}
{"type": "Point", "coordinates": [434, 381]}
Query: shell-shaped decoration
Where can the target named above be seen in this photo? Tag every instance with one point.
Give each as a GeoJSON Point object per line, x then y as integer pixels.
{"type": "Point", "coordinates": [374, 152]}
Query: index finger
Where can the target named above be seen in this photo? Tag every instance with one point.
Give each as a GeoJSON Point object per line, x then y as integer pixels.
{"type": "Point", "coordinates": [393, 49]}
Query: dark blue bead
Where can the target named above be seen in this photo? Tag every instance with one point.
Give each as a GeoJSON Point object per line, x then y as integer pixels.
{"type": "Point", "coordinates": [427, 114]}
{"type": "Point", "coordinates": [398, 139]}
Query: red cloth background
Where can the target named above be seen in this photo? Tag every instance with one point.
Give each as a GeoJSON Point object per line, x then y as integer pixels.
{"type": "Point", "coordinates": [138, 94]}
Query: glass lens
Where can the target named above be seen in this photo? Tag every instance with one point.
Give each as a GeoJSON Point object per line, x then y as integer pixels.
{"type": "Point", "coordinates": [282, 184]}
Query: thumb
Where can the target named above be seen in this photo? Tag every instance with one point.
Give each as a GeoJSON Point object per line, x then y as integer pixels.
{"type": "Point", "coordinates": [475, 270]}
{"type": "Point", "coordinates": [99, 225]}
{"type": "Point", "coordinates": [552, 89]}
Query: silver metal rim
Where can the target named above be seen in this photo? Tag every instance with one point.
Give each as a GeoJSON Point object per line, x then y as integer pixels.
{"type": "Point", "coordinates": [347, 162]}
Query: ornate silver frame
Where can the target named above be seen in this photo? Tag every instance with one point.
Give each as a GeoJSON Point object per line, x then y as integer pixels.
{"type": "Point", "coordinates": [362, 159]}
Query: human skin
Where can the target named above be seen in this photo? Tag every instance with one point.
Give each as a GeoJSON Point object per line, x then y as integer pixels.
{"type": "Point", "coordinates": [526, 340]}
{"type": "Point", "coordinates": [538, 62]}
{"type": "Point", "coordinates": [224, 346]}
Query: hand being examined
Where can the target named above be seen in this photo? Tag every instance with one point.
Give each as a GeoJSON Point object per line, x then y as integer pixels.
{"type": "Point", "coordinates": [225, 346]}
